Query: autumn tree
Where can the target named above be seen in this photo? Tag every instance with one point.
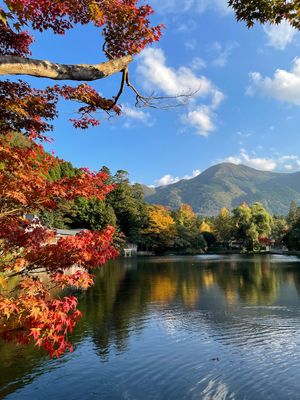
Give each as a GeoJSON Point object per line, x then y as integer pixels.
{"type": "Point", "coordinates": [160, 229]}
{"type": "Point", "coordinates": [125, 28]}
{"type": "Point", "coordinates": [30, 179]}
{"type": "Point", "coordinates": [32, 258]}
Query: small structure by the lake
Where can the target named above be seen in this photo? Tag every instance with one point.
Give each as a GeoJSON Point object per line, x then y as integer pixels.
{"type": "Point", "coordinates": [130, 250]}
{"type": "Point", "coordinates": [67, 232]}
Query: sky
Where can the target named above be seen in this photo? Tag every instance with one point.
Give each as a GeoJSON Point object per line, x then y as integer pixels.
{"type": "Point", "coordinates": [245, 108]}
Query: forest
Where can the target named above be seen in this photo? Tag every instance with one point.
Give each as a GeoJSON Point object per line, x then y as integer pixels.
{"type": "Point", "coordinates": [161, 230]}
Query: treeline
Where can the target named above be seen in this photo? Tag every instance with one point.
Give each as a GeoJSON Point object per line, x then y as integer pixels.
{"type": "Point", "coordinates": [292, 237]}
{"type": "Point", "coordinates": [158, 229]}
{"type": "Point", "coordinates": [153, 228]}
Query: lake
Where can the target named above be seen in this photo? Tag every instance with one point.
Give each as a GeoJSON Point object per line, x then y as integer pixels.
{"type": "Point", "coordinates": [203, 327]}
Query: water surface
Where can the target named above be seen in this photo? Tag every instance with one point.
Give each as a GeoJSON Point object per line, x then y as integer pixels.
{"type": "Point", "coordinates": [205, 327]}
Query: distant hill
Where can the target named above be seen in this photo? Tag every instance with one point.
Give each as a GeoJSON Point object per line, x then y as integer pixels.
{"type": "Point", "coordinates": [228, 185]}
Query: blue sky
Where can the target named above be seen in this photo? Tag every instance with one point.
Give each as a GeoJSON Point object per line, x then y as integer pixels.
{"type": "Point", "coordinates": [246, 109]}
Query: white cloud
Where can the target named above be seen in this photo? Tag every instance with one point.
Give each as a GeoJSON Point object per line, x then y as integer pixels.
{"type": "Point", "coordinates": [168, 179]}
{"type": "Point", "coordinates": [288, 158]}
{"type": "Point", "coordinates": [283, 86]}
{"type": "Point", "coordinates": [138, 115]}
{"type": "Point", "coordinates": [265, 164]}
{"type": "Point", "coordinates": [281, 35]}
{"type": "Point", "coordinates": [154, 73]}
{"type": "Point", "coordinates": [244, 135]}
{"type": "Point", "coordinates": [195, 173]}
{"type": "Point", "coordinates": [201, 118]}
{"type": "Point", "coordinates": [198, 63]}
{"type": "Point", "coordinates": [223, 53]}
{"type": "Point", "coordinates": [217, 98]}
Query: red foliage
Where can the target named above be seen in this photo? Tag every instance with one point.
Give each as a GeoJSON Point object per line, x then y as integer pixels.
{"type": "Point", "coordinates": [126, 26]}
{"type": "Point", "coordinates": [126, 30]}
{"type": "Point", "coordinates": [32, 264]}
{"type": "Point", "coordinates": [265, 241]}
{"type": "Point", "coordinates": [30, 254]}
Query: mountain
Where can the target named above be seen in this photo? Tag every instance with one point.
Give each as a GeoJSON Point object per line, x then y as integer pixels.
{"type": "Point", "coordinates": [228, 185]}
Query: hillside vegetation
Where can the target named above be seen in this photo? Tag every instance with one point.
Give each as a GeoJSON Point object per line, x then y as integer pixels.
{"type": "Point", "coordinates": [228, 185]}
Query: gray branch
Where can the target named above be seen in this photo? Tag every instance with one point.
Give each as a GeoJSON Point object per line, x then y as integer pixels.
{"type": "Point", "coordinates": [12, 65]}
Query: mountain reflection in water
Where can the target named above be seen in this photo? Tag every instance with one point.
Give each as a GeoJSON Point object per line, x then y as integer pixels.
{"type": "Point", "coordinates": [174, 328]}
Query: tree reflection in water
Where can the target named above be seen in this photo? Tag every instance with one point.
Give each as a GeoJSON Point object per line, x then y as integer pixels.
{"type": "Point", "coordinates": [129, 292]}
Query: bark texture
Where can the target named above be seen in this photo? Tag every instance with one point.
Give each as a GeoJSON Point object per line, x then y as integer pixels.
{"type": "Point", "coordinates": [12, 65]}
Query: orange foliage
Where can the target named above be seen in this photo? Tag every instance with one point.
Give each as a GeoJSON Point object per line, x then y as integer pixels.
{"type": "Point", "coordinates": [27, 250]}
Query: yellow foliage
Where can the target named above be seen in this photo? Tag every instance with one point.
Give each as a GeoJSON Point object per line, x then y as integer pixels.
{"type": "Point", "coordinates": [205, 227]}
{"type": "Point", "coordinates": [224, 213]}
{"type": "Point", "coordinates": [160, 219]}
{"type": "Point", "coordinates": [3, 282]}
{"type": "Point", "coordinates": [185, 215]}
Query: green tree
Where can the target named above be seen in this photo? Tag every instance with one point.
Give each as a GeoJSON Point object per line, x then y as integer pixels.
{"type": "Point", "coordinates": [93, 214]}
{"type": "Point", "coordinates": [267, 11]}
{"type": "Point", "coordinates": [279, 228]}
{"type": "Point", "coordinates": [251, 223]}
{"type": "Point", "coordinates": [188, 238]}
{"type": "Point", "coordinates": [223, 226]}
{"type": "Point", "coordinates": [261, 219]}
{"type": "Point", "coordinates": [293, 215]}
{"type": "Point", "coordinates": [128, 204]}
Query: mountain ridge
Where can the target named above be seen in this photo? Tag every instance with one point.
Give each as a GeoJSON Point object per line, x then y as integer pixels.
{"type": "Point", "coordinates": [228, 185]}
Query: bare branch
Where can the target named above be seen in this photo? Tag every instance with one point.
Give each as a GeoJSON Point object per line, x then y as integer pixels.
{"type": "Point", "coordinates": [12, 65]}
{"type": "Point", "coordinates": [160, 102]}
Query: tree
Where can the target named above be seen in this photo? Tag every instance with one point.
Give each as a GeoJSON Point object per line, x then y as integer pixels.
{"type": "Point", "coordinates": [293, 215]}
{"type": "Point", "coordinates": [126, 30]}
{"type": "Point", "coordinates": [205, 227]}
{"type": "Point", "coordinates": [272, 11]}
{"type": "Point", "coordinates": [185, 216]}
{"type": "Point", "coordinates": [279, 228]}
{"type": "Point", "coordinates": [261, 219]}
{"type": "Point", "coordinates": [128, 204]}
{"type": "Point", "coordinates": [223, 226]}
{"type": "Point", "coordinates": [160, 229]}
{"type": "Point", "coordinates": [251, 224]}
{"type": "Point", "coordinates": [188, 238]}
{"type": "Point", "coordinates": [32, 181]}
{"type": "Point", "coordinates": [29, 251]}
{"type": "Point", "coordinates": [93, 214]}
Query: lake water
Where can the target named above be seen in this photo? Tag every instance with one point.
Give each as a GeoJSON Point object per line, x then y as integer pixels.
{"type": "Point", "coordinates": [204, 327]}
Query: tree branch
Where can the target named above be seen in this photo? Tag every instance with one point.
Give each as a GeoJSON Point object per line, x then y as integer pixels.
{"type": "Point", "coordinates": [12, 65]}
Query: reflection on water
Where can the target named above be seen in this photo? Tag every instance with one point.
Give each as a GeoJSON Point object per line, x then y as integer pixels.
{"type": "Point", "coordinates": [175, 328]}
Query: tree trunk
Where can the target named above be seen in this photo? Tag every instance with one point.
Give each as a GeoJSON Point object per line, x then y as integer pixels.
{"type": "Point", "coordinates": [12, 65]}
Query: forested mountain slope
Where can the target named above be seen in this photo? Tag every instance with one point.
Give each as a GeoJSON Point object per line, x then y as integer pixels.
{"type": "Point", "coordinates": [228, 185]}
